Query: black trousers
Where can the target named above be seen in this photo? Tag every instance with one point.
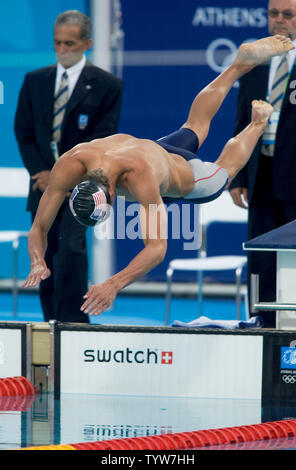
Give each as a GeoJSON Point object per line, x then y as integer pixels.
{"type": "Point", "coordinates": [61, 295]}
{"type": "Point", "coordinates": [266, 213]}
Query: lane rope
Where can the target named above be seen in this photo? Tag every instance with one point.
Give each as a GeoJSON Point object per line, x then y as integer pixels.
{"type": "Point", "coordinates": [285, 429]}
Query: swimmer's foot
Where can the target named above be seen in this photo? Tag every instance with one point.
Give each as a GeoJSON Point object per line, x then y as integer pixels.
{"type": "Point", "coordinates": [263, 50]}
{"type": "Point", "coordinates": [261, 112]}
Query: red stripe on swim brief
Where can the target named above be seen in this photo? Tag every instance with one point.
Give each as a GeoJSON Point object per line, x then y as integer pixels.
{"type": "Point", "coordinates": [207, 177]}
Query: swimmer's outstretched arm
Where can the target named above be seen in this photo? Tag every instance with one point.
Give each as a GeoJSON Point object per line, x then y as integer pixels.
{"type": "Point", "coordinates": [65, 175]}
{"type": "Point", "coordinates": [153, 219]}
{"type": "Point", "coordinates": [37, 238]}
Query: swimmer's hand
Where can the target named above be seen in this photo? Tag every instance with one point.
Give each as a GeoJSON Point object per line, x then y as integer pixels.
{"type": "Point", "coordinates": [38, 273]}
{"type": "Point", "coordinates": [99, 298]}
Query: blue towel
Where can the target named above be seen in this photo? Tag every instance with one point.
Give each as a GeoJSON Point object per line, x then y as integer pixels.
{"type": "Point", "coordinates": [205, 322]}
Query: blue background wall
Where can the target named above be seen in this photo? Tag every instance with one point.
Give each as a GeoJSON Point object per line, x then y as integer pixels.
{"type": "Point", "coordinates": [156, 97]}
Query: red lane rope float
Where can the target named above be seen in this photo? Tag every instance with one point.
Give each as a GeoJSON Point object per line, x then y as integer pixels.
{"type": "Point", "coordinates": [21, 403]}
{"type": "Point", "coordinates": [197, 439]}
{"type": "Point", "coordinates": [16, 386]}
{"type": "Point", "coordinates": [272, 444]}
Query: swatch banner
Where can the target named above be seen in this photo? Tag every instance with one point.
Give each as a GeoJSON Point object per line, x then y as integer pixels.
{"type": "Point", "coordinates": [158, 364]}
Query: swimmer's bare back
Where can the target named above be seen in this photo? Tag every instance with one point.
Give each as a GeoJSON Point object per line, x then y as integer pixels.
{"type": "Point", "coordinates": [129, 153]}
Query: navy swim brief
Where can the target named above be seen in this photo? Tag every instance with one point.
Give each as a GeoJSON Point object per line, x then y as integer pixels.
{"type": "Point", "coordinates": [183, 142]}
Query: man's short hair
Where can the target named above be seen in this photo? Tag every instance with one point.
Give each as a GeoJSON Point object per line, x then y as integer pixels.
{"type": "Point", "coordinates": [98, 176]}
{"type": "Point", "coordinates": [76, 17]}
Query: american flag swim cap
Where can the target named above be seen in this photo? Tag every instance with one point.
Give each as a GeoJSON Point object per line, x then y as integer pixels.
{"type": "Point", "coordinates": [90, 203]}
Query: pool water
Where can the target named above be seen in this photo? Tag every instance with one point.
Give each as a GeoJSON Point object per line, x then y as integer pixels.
{"type": "Point", "coordinates": [75, 418]}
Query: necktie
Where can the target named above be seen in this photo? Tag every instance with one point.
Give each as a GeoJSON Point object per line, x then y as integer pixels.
{"type": "Point", "coordinates": [276, 100]}
{"type": "Point", "coordinates": [60, 103]}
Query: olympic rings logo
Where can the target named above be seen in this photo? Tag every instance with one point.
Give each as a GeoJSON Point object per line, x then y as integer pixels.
{"type": "Point", "coordinates": [289, 379]}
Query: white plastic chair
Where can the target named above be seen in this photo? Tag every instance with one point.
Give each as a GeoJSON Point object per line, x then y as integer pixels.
{"type": "Point", "coordinates": [220, 210]}
{"type": "Point", "coordinates": [13, 237]}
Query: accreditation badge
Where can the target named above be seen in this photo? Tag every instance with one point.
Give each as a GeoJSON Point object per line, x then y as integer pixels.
{"type": "Point", "coordinates": [82, 121]}
{"type": "Point", "coordinates": [271, 128]}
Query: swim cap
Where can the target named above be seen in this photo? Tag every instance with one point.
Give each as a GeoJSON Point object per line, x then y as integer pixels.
{"type": "Point", "coordinates": [90, 203]}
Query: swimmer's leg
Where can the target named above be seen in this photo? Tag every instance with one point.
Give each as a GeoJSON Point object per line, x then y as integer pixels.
{"type": "Point", "coordinates": [208, 101]}
{"type": "Point", "coordinates": [238, 150]}
{"type": "Point", "coordinates": [210, 179]}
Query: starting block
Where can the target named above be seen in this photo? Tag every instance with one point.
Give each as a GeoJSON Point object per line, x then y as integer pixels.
{"type": "Point", "coordinates": [283, 241]}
